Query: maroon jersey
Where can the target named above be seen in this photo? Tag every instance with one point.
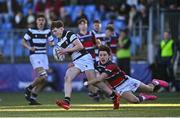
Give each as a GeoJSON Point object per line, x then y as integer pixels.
{"type": "Point", "coordinates": [88, 41]}
{"type": "Point", "coordinates": [114, 42]}
{"type": "Point", "coordinates": [115, 75]}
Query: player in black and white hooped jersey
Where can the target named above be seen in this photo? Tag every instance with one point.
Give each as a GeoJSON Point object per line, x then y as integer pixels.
{"type": "Point", "coordinates": [83, 62]}
{"type": "Point", "coordinates": [35, 40]}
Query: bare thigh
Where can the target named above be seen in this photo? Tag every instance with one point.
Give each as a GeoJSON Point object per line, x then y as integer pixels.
{"type": "Point", "coordinates": [130, 97]}
{"type": "Point", "coordinates": [90, 74]}
{"type": "Point", "coordinates": [145, 88]}
{"type": "Point", "coordinates": [71, 73]}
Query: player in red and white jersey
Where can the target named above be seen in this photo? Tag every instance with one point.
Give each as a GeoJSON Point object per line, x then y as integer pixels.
{"type": "Point", "coordinates": [111, 40]}
{"type": "Point", "coordinates": [89, 42]}
{"type": "Point", "coordinates": [98, 34]}
{"type": "Point", "coordinates": [86, 37]}
{"type": "Point", "coordinates": [122, 83]}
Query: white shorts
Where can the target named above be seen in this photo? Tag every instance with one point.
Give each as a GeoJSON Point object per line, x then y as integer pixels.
{"type": "Point", "coordinates": [130, 84]}
{"type": "Point", "coordinates": [39, 60]}
{"type": "Point", "coordinates": [84, 63]}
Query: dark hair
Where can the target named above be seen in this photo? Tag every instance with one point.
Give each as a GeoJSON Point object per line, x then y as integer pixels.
{"type": "Point", "coordinates": [40, 15]}
{"type": "Point", "coordinates": [82, 20]}
{"type": "Point", "coordinates": [96, 21]}
{"type": "Point", "coordinates": [105, 48]}
{"type": "Point", "coordinates": [57, 24]}
{"type": "Point", "coordinates": [110, 27]}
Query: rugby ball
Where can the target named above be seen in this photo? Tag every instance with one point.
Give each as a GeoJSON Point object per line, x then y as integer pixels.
{"type": "Point", "coordinates": [57, 56]}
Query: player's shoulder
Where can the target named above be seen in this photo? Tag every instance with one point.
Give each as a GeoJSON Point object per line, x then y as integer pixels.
{"type": "Point", "coordinates": [111, 65]}
{"type": "Point", "coordinates": [69, 33]}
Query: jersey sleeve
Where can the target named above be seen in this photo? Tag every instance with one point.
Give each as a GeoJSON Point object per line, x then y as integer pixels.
{"type": "Point", "coordinates": [28, 35]}
{"type": "Point", "coordinates": [71, 37]}
{"type": "Point", "coordinates": [50, 37]}
{"type": "Point", "coordinates": [93, 37]}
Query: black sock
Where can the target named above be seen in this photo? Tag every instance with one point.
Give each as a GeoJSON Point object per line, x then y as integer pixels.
{"type": "Point", "coordinates": [112, 96]}
{"type": "Point", "coordinates": [34, 96]}
{"type": "Point", "coordinates": [140, 98]}
{"type": "Point", "coordinates": [67, 99]}
{"type": "Point", "coordinates": [30, 87]}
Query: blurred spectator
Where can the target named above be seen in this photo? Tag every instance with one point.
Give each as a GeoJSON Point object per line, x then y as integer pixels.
{"type": "Point", "coordinates": [30, 19]}
{"type": "Point", "coordinates": [65, 17]}
{"type": "Point", "coordinates": [132, 14]}
{"type": "Point", "coordinates": [112, 13]}
{"type": "Point", "coordinates": [124, 12]}
{"type": "Point", "coordinates": [19, 21]}
{"type": "Point", "coordinates": [15, 6]}
{"type": "Point", "coordinates": [53, 6]}
{"type": "Point", "coordinates": [166, 56]}
{"type": "Point", "coordinates": [100, 12]}
{"type": "Point", "coordinates": [123, 51]}
{"type": "Point", "coordinates": [5, 9]}
{"type": "Point", "coordinates": [40, 6]}
{"type": "Point", "coordinates": [28, 4]}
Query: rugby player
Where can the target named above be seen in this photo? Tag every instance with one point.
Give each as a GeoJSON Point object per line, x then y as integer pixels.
{"type": "Point", "coordinates": [35, 41]}
{"type": "Point", "coordinates": [82, 60]}
{"type": "Point", "coordinates": [120, 82]}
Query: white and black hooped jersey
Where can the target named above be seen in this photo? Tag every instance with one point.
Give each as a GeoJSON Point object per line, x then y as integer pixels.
{"type": "Point", "coordinates": [38, 39]}
{"type": "Point", "coordinates": [67, 42]}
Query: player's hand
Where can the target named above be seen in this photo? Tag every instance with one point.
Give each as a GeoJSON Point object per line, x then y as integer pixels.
{"type": "Point", "coordinates": [32, 49]}
{"type": "Point", "coordinates": [70, 65]}
{"type": "Point", "coordinates": [61, 51]}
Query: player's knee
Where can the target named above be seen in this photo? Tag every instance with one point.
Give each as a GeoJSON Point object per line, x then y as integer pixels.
{"type": "Point", "coordinates": [43, 75]}
{"type": "Point", "coordinates": [134, 100]}
{"type": "Point", "coordinates": [150, 89]}
{"type": "Point", "coordinates": [68, 78]}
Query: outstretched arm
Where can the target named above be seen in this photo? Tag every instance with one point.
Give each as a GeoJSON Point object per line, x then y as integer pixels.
{"type": "Point", "coordinates": [100, 78]}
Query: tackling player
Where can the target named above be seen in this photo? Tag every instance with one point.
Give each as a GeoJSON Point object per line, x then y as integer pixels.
{"type": "Point", "coordinates": [122, 83]}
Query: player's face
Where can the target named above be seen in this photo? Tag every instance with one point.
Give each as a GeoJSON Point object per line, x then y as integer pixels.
{"type": "Point", "coordinates": [103, 57]}
{"type": "Point", "coordinates": [97, 26]}
{"type": "Point", "coordinates": [40, 23]}
{"type": "Point", "coordinates": [82, 26]}
{"type": "Point", "coordinates": [166, 35]}
{"type": "Point", "coordinates": [58, 31]}
{"type": "Point", "coordinates": [109, 33]}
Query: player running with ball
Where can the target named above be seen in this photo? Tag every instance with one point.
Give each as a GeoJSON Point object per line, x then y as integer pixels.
{"type": "Point", "coordinates": [83, 62]}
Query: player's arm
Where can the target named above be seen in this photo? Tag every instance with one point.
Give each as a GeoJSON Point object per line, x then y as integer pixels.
{"type": "Point", "coordinates": [51, 43]}
{"type": "Point", "coordinates": [101, 77]}
{"type": "Point", "coordinates": [25, 44]}
{"type": "Point", "coordinates": [50, 40]}
{"type": "Point", "coordinates": [77, 46]}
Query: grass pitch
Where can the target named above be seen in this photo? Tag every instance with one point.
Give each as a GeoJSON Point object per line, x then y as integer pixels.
{"type": "Point", "coordinates": [14, 105]}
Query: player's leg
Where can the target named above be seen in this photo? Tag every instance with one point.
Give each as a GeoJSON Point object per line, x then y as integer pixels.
{"type": "Point", "coordinates": [71, 73]}
{"type": "Point", "coordinates": [153, 86]}
{"type": "Point", "coordinates": [130, 97]}
{"type": "Point", "coordinates": [37, 85]}
{"type": "Point", "coordinates": [90, 74]}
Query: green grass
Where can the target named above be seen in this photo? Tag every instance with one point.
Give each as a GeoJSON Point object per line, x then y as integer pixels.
{"type": "Point", "coordinates": [14, 105]}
